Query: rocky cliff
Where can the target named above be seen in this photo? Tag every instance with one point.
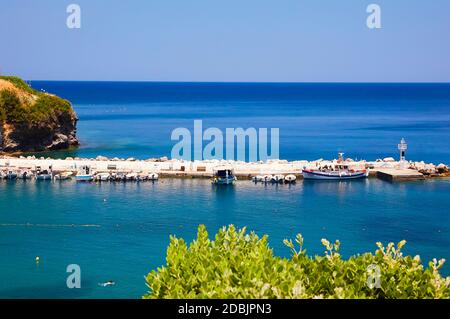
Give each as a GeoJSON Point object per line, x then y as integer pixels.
{"type": "Point", "coordinates": [33, 121]}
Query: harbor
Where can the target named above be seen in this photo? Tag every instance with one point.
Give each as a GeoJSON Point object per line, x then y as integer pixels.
{"type": "Point", "coordinates": [104, 169]}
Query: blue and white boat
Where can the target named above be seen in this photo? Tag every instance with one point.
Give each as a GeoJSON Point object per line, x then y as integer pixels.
{"type": "Point", "coordinates": [84, 174]}
{"type": "Point", "coordinates": [341, 173]}
{"type": "Point", "coordinates": [11, 175]}
{"type": "Point", "coordinates": [223, 176]}
{"type": "Point", "coordinates": [43, 175]}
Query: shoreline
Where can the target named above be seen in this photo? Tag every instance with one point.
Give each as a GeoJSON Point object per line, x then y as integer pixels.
{"type": "Point", "coordinates": [387, 169]}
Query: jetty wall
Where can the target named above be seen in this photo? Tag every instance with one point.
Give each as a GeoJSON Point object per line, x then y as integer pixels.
{"type": "Point", "coordinates": [387, 170]}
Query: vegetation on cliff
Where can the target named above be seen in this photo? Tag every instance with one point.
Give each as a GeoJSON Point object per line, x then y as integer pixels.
{"type": "Point", "coordinates": [241, 265]}
{"type": "Point", "coordinates": [32, 120]}
{"type": "Point", "coordinates": [37, 107]}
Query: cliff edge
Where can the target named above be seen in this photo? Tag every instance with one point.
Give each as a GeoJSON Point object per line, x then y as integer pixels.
{"type": "Point", "coordinates": [32, 121]}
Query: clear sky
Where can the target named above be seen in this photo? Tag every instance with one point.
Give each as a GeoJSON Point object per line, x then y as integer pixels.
{"type": "Point", "coordinates": [226, 40]}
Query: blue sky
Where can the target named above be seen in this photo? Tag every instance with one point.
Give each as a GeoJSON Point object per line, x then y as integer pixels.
{"type": "Point", "coordinates": [227, 40]}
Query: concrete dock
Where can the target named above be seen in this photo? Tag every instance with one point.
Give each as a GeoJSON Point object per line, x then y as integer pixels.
{"type": "Point", "coordinates": [399, 175]}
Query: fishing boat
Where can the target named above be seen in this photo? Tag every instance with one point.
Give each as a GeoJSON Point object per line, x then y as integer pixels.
{"type": "Point", "coordinates": [84, 174]}
{"type": "Point", "coordinates": [153, 177]}
{"type": "Point", "coordinates": [340, 171]}
{"type": "Point", "coordinates": [43, 175]}
{"type": "Point", "coordinates": [339, 174]}
{"type": "Point", "coordinates": [223, 175]}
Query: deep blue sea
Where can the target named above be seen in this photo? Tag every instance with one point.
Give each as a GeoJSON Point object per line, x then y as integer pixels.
{"type": "Point", "coordinates": [120, 231]}
{"type": "Point", "coordinates": [367, 121]}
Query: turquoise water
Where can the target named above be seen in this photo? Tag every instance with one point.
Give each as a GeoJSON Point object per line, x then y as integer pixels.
{"type": "Point", "coordinates": [120, 231]}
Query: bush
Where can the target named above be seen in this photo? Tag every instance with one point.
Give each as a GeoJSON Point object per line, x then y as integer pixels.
{"type": "Point", "coordinates": [19, 83]}
{"type": "Point", "coordinates": [10, 106]}
{"type": "Point", "coordinates": [13, 110]}
{"type": "Point", "coordinates": [241, 265]}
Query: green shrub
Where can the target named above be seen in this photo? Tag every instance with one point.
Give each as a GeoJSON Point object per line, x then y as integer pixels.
{"type": "Point", "coordinates": [19, 83]}
{"type": "Point", "coordinates": [10, 106]}
{"type": "Point", "coordinates": [241, 265]}
{"type": "Point", "coordinates": [44, 106]}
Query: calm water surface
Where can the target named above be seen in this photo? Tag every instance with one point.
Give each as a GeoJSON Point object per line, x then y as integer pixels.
{"type": "Point", "coordinates": [120, 231]}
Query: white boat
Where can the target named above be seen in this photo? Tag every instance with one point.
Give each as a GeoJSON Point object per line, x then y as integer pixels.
{"type": "Point", "coordinates": [84, 178]}
{"type": "Point", "coordinates": [103, 177]}
{"type": "Point", "coordinates": [11, 175]}
{"type": "Point", "coordinates": [43, 175]}
{"type": "Point", "coordinates": [25, 175]}
{"type": "Point", "coordinates": [142, 177]}
{"type": "Point", "coordinates": [339, 172]}
{"type": "Point", "coordinates": [257, 178]}
{"type": "Point", "coordinates": [267, 178]}
{"type": "Point", "coordinates": [223, 175]}
{"type": "Point", "coordinates": [291, 178]}
{"type": "Point", "coordinates": [334, 175]}
{"type": "Point", "coordinates": [84, 175]}
{"type": "Point", "coordinates": [278, 178]}
{"type": "Point", "coordinates": [131, 176]}
{"type": "Point", "coordinates": [153, 177]}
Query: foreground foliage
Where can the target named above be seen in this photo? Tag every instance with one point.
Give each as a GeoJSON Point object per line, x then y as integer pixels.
{"type": "Point", "coordinates": [241, 265]}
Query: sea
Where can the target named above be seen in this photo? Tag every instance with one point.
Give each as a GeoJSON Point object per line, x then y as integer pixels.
{"type": "Point", "coordinates": [120, 231]}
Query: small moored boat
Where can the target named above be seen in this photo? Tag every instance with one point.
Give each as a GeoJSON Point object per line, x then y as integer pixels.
{"type": "Point", "coordinates": [257, 178]}
{"type": "Point", "coordinates": [289, 179]}
{"type": "Point", "coordinates": [103, 177]}
{"type": "Point", "coordinates": [277, 179]}
{"type": "Point", "coordinates": [43, 175]}
{"type": "Point", "coordinates": [11, 175]}
{"type": "Point", "coordinates": [131, 176]}
{"type": "Point", "coordinates": [84, 174]}
{"type": "Point", "coordinates": [223, 175]}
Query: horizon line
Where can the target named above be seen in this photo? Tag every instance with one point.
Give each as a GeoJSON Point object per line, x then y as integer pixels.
{"type": "Point", "coordinates": [250, 82]}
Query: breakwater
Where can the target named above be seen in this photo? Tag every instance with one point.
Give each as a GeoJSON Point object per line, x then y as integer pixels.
{"type": "Point", "coordinates": [165, 167]}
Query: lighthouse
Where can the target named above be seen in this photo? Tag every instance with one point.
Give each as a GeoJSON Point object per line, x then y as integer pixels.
{"type": "Point", "coordinates": [402, 147]}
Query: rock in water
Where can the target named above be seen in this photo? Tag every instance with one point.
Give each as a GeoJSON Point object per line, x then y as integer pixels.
{"type": "Point", "coordinates": [34, 121]}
